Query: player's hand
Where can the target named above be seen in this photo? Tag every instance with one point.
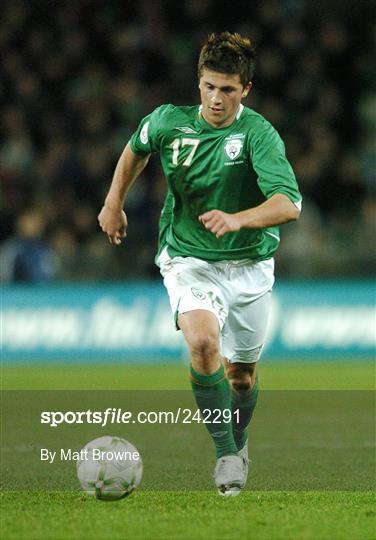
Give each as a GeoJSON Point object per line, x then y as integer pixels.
{"type": "Point", "coordinates": [113, 222]}
{"type": "Point", "coordinates": [219, 223]}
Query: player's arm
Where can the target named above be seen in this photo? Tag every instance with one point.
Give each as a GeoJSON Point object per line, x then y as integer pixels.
{"type": "Point", "coordinates": [112, 218]}
{"type": "Point", "coordinates": [274, 211]}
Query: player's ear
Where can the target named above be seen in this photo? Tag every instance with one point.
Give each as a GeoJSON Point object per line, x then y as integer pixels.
{"type": "Point", "coordinates": [247, 89]}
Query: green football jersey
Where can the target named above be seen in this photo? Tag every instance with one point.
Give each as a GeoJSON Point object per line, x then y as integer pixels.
{"type": "Point", "coordinates": [230, 169]}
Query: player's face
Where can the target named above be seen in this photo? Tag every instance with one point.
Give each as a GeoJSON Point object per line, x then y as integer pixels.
{"type": "Point", "coordinates": [220, 96]}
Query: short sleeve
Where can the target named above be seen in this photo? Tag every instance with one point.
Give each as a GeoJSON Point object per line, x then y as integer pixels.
{"type": "Point", "coordinates": [275, 174]}
{"type": "Point", "coordinates": [145, 139]}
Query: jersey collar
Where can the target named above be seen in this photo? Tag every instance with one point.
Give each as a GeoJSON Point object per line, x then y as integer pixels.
{"type": "Point", "coordinates": [238, 114]}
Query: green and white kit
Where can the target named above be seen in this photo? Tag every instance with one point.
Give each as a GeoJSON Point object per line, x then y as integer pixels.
{"type": "Point", "coordinates": [231, 169]}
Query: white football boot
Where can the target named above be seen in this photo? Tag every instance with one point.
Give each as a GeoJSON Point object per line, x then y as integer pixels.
{"type": "Point", "coordinates": [229, 475]}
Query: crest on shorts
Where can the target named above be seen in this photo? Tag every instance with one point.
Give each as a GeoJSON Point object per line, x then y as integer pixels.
{"type": "Point", "coordinates": [233, 148]}
{"type": "Point", "coordinates": [200, 295]}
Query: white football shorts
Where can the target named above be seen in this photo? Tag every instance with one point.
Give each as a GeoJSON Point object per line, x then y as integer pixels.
{"type": "Point", "coordinates": [237, 292]}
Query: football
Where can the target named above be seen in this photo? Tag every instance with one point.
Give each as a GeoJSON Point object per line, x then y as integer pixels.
{"type": "Point", "coordinates": [109, 468]}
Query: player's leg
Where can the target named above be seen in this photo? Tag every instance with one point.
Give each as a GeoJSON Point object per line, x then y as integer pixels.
{"type": "Point", "coordinates": [243, 343]}
{"type": "Point", "coordinates": [243, 379]}
{"type": "Point", "coordinates": [213, 396]}
{"type": "Point", "coordinates": [209, 382]}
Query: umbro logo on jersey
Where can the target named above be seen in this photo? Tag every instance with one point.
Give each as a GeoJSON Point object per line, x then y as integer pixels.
{"type": "Point", "coordinates": [187, 130]}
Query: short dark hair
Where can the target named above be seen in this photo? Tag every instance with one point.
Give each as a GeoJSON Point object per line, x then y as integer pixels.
{"type": "Point", "coordinates": [228, 53]}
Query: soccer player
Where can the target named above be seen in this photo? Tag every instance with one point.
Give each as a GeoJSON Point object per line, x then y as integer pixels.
{"type": "Point", "coordinates": [229, 187]}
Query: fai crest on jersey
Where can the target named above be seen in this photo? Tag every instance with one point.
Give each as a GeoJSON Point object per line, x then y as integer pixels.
{"type": "Point", "coordinates": [233, 148]}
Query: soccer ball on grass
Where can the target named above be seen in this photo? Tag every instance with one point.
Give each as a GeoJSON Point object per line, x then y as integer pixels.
{"type": "Point", "coordinates": [109, 468]}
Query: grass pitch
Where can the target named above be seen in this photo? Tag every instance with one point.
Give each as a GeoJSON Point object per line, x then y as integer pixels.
{"type": "Point", "coordinates": [268, 514]}
{"type": "Point", "coordinates": [191, 515]}
{"type": "Point", "coordinates": [356, 374]}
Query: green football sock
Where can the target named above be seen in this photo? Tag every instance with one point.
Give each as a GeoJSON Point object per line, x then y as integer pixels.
{"type": "Point", "coordinates": [243, 401]}
{"type": "Point", "coordinates": [213, 398]}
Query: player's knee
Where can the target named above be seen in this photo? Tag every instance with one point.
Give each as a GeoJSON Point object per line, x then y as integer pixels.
{"type": "Point", "coordinates": [241, 376]}
{"type": "Point", "coordinates": [242, 383]}
{"type": "Point", "coordinates": [204, 346]}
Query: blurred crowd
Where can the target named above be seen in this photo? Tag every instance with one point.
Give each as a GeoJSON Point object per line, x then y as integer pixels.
{"type": "Point", "coordinates": [77, 76]}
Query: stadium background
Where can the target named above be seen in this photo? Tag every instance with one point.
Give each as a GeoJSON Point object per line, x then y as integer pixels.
{"type": "Point", "coordinates": [77, 77]}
